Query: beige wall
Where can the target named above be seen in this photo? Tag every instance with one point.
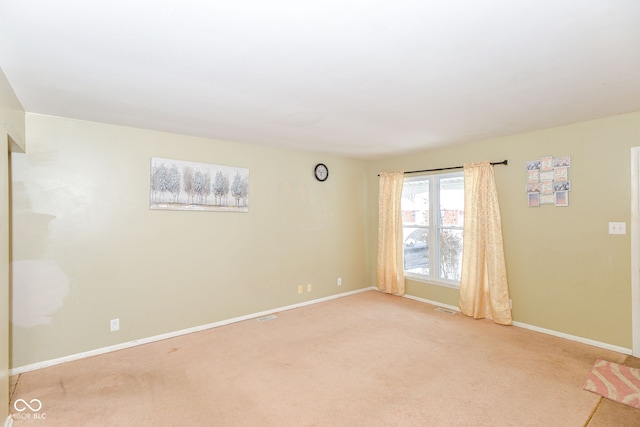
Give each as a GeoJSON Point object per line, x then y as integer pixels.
{"type": "Point", "coordinates": [83, 229]}
{"type": "Point", "coordinates": [11, 138]}
{"type": "Point", "coordinates": [87, 248]}
{"type": "Point", "coordinates": [566, 273]}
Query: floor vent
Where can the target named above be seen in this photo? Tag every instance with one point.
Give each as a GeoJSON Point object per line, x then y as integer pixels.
{"type": "Point", "coordinates": [265, 318]}
{"type": "Point", "coordinates": [444, 310]}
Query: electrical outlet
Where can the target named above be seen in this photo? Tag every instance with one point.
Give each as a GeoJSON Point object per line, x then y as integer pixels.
{"type": "Point", "coordinates": [115, 324]}
{"type": "Point", "coordinates": [300, 289]}
{"type": "Point", "coordinates": [617, 228]}
{"type": "Point", "coordinates": [309, 287]}
{"type": "Point", "coordinates": [339, 281]}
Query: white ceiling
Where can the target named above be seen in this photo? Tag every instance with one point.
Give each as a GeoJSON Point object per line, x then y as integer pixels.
{"type": "Point", "coordinates": [348, 77]}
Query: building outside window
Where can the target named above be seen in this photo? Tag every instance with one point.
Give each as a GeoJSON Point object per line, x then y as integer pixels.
{"type": "Point", "coordinates": [432, 219]}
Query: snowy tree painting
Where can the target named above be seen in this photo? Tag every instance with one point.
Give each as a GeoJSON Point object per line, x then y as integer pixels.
{"type": "Point", "coordinates": [198, 186]}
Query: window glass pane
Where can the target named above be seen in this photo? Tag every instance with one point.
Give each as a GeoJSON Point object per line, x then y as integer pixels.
{"type": "Point", "coordinates": [450, 254]}
{"type": "Point", "coordinates": [415, 212]}
{"type": "Point", "coordinates": [452, 201]}
{"type": "Point", "coordinates": [415, 202]}
{"type": "Point", "coordinates": [416, 250]}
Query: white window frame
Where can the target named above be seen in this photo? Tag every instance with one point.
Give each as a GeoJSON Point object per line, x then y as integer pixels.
{"type": "Point", "coordinates": [434, 228]}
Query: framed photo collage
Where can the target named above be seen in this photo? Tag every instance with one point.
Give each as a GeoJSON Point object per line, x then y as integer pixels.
{"type": "Point", "coordinates": [548, 181]}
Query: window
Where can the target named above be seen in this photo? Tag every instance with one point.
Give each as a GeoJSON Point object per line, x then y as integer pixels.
{"type": "Point", "coordinates": [432, 220]}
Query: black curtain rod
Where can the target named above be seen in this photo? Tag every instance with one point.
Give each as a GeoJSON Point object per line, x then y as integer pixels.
{"type": "Point", "coordinates": [504, 162]}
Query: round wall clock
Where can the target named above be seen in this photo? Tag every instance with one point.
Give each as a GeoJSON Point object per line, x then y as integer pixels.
{"type": "Point", "coordinates": [321, 172]}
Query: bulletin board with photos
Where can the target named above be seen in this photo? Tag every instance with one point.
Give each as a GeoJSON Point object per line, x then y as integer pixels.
{"type": "Point", "coordinates": [548, 181]}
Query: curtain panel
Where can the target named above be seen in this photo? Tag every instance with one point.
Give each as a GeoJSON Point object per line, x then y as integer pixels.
{"type": "Point", "coordinates": [390, 268]}
{"type": "Point", "coordinates": [484, 292]}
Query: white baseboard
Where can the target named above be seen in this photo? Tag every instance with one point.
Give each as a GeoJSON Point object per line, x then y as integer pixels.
{"type": "Point", "coordinates": [103, 350]}
{"type": "Point", "coordinates": [122, 346]}
{"type": "Point", "coordinates": [582, 340]}
{"type": "Point", "coordinates": [437, 304]}
{"type": "Point", "coordinates": [8, 422]}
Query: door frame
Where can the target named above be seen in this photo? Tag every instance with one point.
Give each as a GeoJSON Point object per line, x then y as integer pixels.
{"type": "Point", "coordinates": [635, 251]}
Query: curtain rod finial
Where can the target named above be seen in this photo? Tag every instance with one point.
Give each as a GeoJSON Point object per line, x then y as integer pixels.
{"type": "Point", "coordinates": [504, 162]}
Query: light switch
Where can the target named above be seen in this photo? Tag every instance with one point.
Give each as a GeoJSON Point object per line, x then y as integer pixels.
{"type": "Point", "coordinates": [617, 228]}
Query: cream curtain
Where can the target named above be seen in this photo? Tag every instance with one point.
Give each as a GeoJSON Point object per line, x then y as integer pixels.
{"type": "Point", "coordinates": [390, 272]}
{"type": "Point", "coordinates": [484, 292]}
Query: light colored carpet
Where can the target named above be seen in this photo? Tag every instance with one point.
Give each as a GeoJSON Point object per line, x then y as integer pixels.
{"type": "Point", "coordinates": [368, 359]}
